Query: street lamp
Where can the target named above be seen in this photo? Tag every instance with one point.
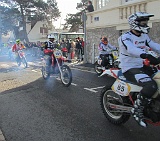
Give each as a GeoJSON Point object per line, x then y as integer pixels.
{"type": "Point", "coordinates": [84, 18]}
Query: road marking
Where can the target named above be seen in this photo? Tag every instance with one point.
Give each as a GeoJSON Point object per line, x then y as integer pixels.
{"type": "Point", "coordinates": [73, 84]}
{"type": "Point", "coordinates": [91, 90]}
{"type": "Point", "coordinates": [84, 70]}
{"type": "Point", "coordinates": [98, 87]}
{"type": "Point", "coordinates": [1, 136]}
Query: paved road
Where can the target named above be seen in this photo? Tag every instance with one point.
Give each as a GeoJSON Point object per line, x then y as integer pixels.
{"type": "Point", "coordinates": [32, 109]}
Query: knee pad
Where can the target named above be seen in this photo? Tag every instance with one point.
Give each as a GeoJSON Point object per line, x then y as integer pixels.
{"type": "Point", "coordinates": [149, 89]}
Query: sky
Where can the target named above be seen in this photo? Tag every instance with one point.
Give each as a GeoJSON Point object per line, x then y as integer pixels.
{"type": "Point", "coordinates": [65, 7]}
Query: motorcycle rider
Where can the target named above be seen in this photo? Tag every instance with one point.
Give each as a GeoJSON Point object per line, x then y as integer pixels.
{"type": "Point", "coordinates": [132, 46]}
{"type": "Point", "coordinates": [105, 49]}
{"type": "Point", "coordinates": [16, 47]}
{"type": "Point", "coordinates": [49, 45]}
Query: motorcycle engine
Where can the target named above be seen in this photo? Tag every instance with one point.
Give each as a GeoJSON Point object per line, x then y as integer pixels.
{"type": "Point", "coordinates": [153, 110]}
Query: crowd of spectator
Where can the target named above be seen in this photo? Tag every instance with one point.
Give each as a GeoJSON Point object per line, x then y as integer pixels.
{"type": "Point", "coordinates": [73, 49]}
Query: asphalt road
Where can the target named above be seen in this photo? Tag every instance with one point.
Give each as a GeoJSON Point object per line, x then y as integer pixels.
{"type": "Point", "coordinates": [33, 109]}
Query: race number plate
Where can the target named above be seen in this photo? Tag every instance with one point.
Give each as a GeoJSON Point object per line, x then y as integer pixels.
{"type": "Point", "coordinates": [115, 54]}
{"type": "Point", "coordinates": [121, 88]}
{"type": "Point", "coordinates": [57, 53]}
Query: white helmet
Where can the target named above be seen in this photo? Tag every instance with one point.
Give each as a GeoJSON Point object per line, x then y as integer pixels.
{"type": "Point", "coordinates": [51, 36]}
{"type": "Point", "coordinates": [135, 19]}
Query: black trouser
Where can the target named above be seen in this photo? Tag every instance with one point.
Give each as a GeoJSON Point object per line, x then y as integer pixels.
{"type": "Point", "coordinates": [142, 77]}
{"type": "Point", "coordinates": [105, 59]}
{"type": "Point", "coordinates": [49, 61]}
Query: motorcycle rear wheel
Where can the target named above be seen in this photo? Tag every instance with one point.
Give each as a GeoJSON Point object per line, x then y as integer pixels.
{"type": "Point", "coordinates": [45, 75]}
{"type": "Point", "coordinates": [109, 96]}
{"type": "Point", "coordinates": [97, 70]}
{"type": "Point", "coordinates": [66, 79]}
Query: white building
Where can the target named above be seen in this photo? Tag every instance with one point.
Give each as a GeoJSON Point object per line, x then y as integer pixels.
{"type": "Point", "coordinates": [110, 19]}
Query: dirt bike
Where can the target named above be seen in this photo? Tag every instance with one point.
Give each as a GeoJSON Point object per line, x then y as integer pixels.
{"type": "Point", "coordinates": [57, 67]}
{"type": "Point", "coordinates": [117, 99]}
{"type": "Point", "coordinates": [21, 59]}
{"type": "Point", "coordinates": [113, 62]}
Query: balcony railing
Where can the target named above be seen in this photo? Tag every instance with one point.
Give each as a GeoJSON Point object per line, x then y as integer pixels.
{"type": "Point", "coordinates": [128, 10]}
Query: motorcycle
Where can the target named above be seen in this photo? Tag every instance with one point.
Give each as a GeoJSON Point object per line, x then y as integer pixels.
{"type": "Point", "coordinates": [117, 99]}
{"type": "Point", "coordinates": [21, 59]}
{"type": "Point", "coordinates": [59, 68]}
{"type": "Point", "coordinates": [113, 62]}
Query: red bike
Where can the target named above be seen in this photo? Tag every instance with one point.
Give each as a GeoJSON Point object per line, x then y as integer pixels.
{"type": "Point", "coordinates": [20, 58]}
{"type": "Point", "coordinates": [57, 66]}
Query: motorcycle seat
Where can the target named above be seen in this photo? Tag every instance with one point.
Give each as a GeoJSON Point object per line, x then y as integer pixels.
{"type": "Point", "coordinates": [123, 78]}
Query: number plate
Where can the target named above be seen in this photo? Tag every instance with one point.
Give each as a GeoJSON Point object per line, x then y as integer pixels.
{"type": "Point", "coordinates": [115, 54]}
{"type": "Point", "coordinates": [121, 88]}
{"type": "Point", "coordinates": [57, 53]}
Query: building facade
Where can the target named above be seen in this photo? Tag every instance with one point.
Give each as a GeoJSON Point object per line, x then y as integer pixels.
{"type": "Point", "coordinates": [110, 19]}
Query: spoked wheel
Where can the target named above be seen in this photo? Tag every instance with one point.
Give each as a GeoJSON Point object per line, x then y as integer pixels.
{"type": "Point", "coordinates": [108, 99]}
{"type": "Point", "coordinates": [19, 63]}
{"type": "Point", "coordinates": [24, 62]}
{"type": "Point", "coordinates": [66, 77]}
{"type": "Point", "coordinates": [116, 64]}
{"type": "Point", "coordinates": [45, 75]}
{"type": "Point", "coordinates": [97, 68]}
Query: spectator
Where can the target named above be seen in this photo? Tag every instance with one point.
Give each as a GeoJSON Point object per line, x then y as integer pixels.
{"type": "Point", "coordinates": [73, 45]}
{"type": "Point", "coordinates": [90, 7]}
{"type": "Point", "coordinates": [82, 51]}
{"type": "Point", "coordinates": [68, 45]}
{"type": "Point", "coordinates": [78, 48]}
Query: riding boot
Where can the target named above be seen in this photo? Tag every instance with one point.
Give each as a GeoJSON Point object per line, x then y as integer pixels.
{"type": "Point", "coordinates": [137, 110]}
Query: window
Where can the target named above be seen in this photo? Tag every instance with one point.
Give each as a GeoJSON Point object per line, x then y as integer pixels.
{"type": "Point", "coordinates": [96, 18]}
{"type": "Point", "coordinates": [102, 3]}
{"type": "Point", "coordinates": [43, 30]}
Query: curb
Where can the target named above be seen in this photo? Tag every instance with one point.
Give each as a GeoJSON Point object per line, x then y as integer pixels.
{"type": "Point", "coordinates": [82, 67]}
{"type": "Point", "coordinates": [79, 65]}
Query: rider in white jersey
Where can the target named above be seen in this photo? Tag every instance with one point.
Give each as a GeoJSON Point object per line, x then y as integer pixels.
{"type": "Point", "coordinates": [105, 49]}
{"type": "Point", "coordinates": [132, 47]}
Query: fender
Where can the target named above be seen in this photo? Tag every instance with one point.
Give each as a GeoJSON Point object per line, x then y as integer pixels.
{"type": "Point", "coordinates": [114, 73]}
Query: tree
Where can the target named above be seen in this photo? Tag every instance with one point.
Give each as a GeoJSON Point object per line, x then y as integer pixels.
{"type": "Point", "coordinates": [8, 18]}
{"type": "Point", "coordinates": [74, 21]}
{"type": "Point", "coordinates": [35, 10]}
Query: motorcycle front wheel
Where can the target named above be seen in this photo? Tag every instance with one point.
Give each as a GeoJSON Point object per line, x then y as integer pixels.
{"type": "Point", "coordinates": [66, 76]}
{"type": "Point", "coordinates": [24, 62]}
{"type": "Point", "coordinates": [115, 116]}
{"type": "Point", "coordinates": [45, 75]}
{"type": "Point", "coordinates": [97, 68]}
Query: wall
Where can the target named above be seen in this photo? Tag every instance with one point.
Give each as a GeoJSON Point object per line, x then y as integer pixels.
{"type": "Point", "coordinates": [34, 35]}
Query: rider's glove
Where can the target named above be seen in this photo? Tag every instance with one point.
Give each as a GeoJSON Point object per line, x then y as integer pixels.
{"type": "Point", "coordinates": [153, 60]}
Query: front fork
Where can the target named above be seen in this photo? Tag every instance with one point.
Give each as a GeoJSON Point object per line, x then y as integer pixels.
{"type": "Point", "coordinates": [59, 67]}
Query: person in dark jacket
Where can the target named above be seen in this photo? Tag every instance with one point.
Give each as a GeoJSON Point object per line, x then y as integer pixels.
{"type": "Point", "coordinates": [90, 7]}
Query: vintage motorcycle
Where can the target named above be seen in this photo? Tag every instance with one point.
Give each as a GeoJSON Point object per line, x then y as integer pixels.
{"type": "Point", "coordinates": [118, 98]}
{"type": "Point", "coordinates": [57, 67]}
{"type": "Point", "coordinates": [20, 58]}
{"type": "Point", "coordinates": [113, 62]}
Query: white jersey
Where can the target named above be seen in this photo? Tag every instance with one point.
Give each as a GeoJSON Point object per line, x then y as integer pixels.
{"type": "Point", "coordinates": [131, 47]}
{"type": "Point", "coordinates": [105, 49]}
